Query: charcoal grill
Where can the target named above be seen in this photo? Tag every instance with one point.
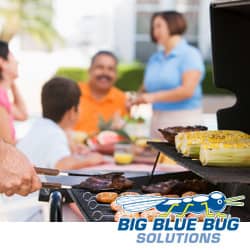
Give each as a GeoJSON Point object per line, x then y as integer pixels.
{"type": "Point", "coordinates": [230, 21]}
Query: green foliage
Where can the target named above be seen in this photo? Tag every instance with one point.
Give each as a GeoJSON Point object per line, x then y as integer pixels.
{"type": "Point", "coordinates": [124, 134]}
{"type": "Point", "coordinates": [208, 86]}
{"type": "Point", "coordinates": [104, 125]}
{"type": "Point", "coordinates": [33, 17]}
{"type": "Point", "coordinates": [130, 77]}
{"type": "Point", "coordinates": [133, 120]}
{"type": "Point", "coordinates": [74, 73]}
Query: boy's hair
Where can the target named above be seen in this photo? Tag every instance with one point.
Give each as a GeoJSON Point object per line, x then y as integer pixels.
{"type": "Point", "coordinates": [103, 52]}
{"type": "Point", "coordinates": [58, 96]}
{"type": "Point", "coordinates": [4, 52]}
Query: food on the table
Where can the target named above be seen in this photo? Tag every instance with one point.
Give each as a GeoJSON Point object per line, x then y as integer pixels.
{"type": "Point", "coordinates": [123, 158]}
{"type": "Point", "coordinates": [79, 136]}
{"type": "Point", "coordinates": [108, 137]}
{"type": "Point", "coordinates": [141, 142]}
{"type": "Point", "coordinates": [104, 141]}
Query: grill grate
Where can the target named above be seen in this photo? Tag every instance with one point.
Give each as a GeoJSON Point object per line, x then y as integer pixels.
{"type": "Point", "coordinates": [89, 207]}
{"type": "Point", "coordinates": [94, 211]}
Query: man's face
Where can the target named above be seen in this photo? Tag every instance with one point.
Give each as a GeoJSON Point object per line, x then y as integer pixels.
{"type": "Point", "coordinates": [103, 72]}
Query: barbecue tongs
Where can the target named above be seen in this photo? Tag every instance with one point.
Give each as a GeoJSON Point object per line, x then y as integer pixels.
{"type": "Point", "coordinates": [56, 172]}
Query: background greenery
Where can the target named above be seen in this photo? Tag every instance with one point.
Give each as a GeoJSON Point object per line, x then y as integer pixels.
{"type": "Point", "coordinates": [32, 17]}
{"type": "Point", "coordinates": [130, 77]}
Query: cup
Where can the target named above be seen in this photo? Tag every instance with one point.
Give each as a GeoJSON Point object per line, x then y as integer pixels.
{"type": "Point", "coordinates": [123, 154]}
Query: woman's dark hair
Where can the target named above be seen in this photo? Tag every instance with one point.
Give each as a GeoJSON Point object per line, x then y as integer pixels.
{"type": "Point", "coordinates": [58, 96]}
{"type": "Point", "coordinates": [4, 52]}
{"type": "Point", "coordinates": [176, 23]}
{"type": "Point", "coordinates": [103, 52]}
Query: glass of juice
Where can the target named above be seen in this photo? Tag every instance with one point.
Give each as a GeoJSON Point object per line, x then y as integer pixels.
{"type": "Point", "coordinates": [123, 154]}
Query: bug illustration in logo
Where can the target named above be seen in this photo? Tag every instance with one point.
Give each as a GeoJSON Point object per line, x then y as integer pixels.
{"type": "Point", "coordinates": [212, 204]}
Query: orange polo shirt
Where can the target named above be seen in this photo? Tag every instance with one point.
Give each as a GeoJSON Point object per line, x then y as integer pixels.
{"type": "Point", "coordinates": [91, 109]}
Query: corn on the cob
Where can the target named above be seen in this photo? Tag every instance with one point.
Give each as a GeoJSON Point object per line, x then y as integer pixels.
{"type": "Point", "coordinates": [178, 141]}
{"type": "Point", "coordinates": [226, 154]}
{"type": "Point", "coordinates": [188, 143]}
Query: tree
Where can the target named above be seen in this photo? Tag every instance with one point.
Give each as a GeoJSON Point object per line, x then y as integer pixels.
{"type": "Point", "coordinates": [33, 17]}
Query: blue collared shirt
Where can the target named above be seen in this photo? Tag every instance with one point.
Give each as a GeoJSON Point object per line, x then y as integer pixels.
{"type": "Point", "coordinates": [164, 72]}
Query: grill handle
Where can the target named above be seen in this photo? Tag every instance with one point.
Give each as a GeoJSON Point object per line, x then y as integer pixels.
{"type": "Point", "coordinates": [50, 185]}
{"type": "Point", "coordinates": [47, 171]}
{"type": "Point", "coordinates": [55, 202]}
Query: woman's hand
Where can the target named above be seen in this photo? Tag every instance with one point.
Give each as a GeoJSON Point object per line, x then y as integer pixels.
{"type": "Point", "coordinates": [117, 121]}
{"type": "Point", "coordinates": [143, 99]}
{"type": "Point", "coordinates": [19, 110]}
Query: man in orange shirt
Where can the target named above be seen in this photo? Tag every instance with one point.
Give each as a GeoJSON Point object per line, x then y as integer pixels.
{"type": "Point", "coordinates": [99, 97]}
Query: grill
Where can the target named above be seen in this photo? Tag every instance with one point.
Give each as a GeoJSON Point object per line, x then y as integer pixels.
{"type": "Point", "coordinates": [230, 48]}
{"type": "Point", "coordinates": [97, 212]}
{"type": "Point", "coordinates": [94, 211]}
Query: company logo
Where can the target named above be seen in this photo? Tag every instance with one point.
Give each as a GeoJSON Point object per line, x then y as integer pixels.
{"type": "Point", "coordinates": [211, 205]}
{"type": "Point", "coordinates": [166, 230]}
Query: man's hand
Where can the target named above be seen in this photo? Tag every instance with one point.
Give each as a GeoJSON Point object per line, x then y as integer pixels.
{"type": "Point", "coordinates": [17, 175]}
